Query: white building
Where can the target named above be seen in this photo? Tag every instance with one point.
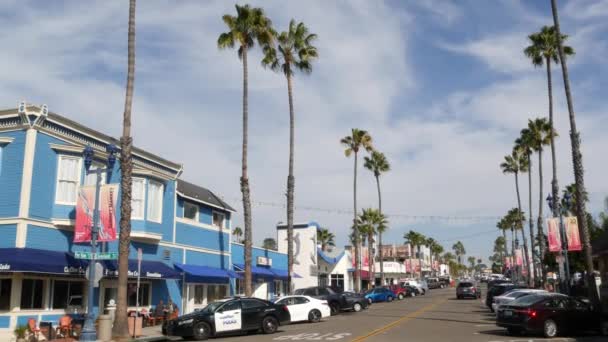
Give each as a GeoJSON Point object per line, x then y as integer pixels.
{"type": "Point", "coordinates": [335, 268]}
{"type": "Point", "coordinates": [305, 264]}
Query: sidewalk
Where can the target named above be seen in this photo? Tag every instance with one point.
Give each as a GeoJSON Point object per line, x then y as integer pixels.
{"type": "Point", "coordinates": [153, 333]}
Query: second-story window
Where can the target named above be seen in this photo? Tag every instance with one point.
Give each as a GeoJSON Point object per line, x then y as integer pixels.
{"type": "Point", "coordinates": [218, 220]}
{"type": "Point", "coordinates": [155, 201]}
{"type": "Point", "coordinates": [191, 211]}
{"type": "Point", "coordinates": [91, 177]}
{"type": "Point", "coordinates": [138, 198]}
{"type": "Point", "coordinates": [68, 179]}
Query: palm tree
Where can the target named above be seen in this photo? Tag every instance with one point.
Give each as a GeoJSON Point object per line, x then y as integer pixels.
{"type": "Point", "coordinates": [471, 261]}
{"type": "Point", "coordinates": [514, 220]}
{"type": "Point", "coordinates": [544, 49]}
{"type": "Point", "coordinates": [577, 160]}
{"type": "Point", "coordinates": [540, 136]}
{"type": "Point", "coordinates": [270, 243]}
{"type": "Point", "coordinates": [435, 248]}
{"type": "Point", "coordinates": [415, 240]}
{"type": "Point", "coordinates": [120, 328]}
{"type": "Point", "coordinates": [369, 223]}
{"type": "Point", "coordinates": [499, 246]}
{"type": "Point", "coordinates": [325, 238]}
{"type": "Point", "coordinates": [378, 164]}
{"type": "Point", "coordinates": [459, 250]}
{"type": "Point", "coordinates": [249, 26]}
{"type": "Point", "coordinates": [448, 259]}
{"type": "Point", "coordinates": [238, 234]}
{"type": "Point", "coordinates": [503, 225]}
{"type": "Point", "coordinates": [524, 144]}
{"type": "Point", "coordinates": [514, 163]}
{"type": "Point", "coordinates": [353, 143]}
{"type": "Point", "coordinates": [296, 52]}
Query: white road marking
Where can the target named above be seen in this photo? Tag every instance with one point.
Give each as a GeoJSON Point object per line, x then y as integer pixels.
{"type": "Point", "coordinates": [313, 337]}
{"type": "Point", "coordinates": [485, 325]}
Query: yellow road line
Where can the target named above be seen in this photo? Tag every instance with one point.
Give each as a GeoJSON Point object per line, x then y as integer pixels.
{"type": "Point", "coordinates": [403, 319]}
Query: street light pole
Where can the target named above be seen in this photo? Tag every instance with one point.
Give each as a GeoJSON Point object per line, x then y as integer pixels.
{"type": "Point", "coordinates": [88, 331]}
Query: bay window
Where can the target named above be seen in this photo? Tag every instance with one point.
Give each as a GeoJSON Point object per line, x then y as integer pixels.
{"type": "Point", "coordinates": [138, 198]}
{"type": "Point", "coordinates": [68, 179]}
{"type": "Point", "coordinates": [155, 201]}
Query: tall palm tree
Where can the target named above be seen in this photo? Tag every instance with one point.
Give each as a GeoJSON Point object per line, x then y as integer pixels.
{"type": "Point", "coordinates": [503, 225]}
{"type": "Point", "coordinates": [120, 328]}
{"type": "Point", "coordinates": [459, 250]}
{"type": "Point", "coordinates": [249, 26]}
{"type": "Point", "coordinates": [540, 136]}
{"type": "Point", "coordinates": [542, 51]}
{"type": "Point", "coordinates": [524, 144]}
{"type": "Point", "coordinates": [238, 234]}
{"type": "Point", "coordinates": [448, 258]}
{"type": "Point", "coordinates": [378, 164]}
{"type": "Point", "coordinates": [358, 139]}
{"type": "Point", "coordinates": [577, 160]}
{"type": "Point", "coordinates": [435, 248]}
{"type": "Point", "coordinates": [367, 226]}
{"type": "Point", "coordinates": [295, 52]}
{"type": "Point", "coordinates": [499, 246]}
{"type": "Point", "coordinates": [514, 163]}
{"type": "Point", "coordinates": [325, 238]}
{"type": "Point", "coordinates": [514, 220]}
{"type": "Point", "coordinates": [415, 240]}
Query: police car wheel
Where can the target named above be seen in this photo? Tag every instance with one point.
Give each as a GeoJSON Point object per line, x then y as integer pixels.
{"type": "Point", "coordinates": [400, 296]}
{"type": "Point", "coordinates": [314, 316]}
{"type": "Point", "coordinates": [269, 325]}
{"type": "Point", "coordinates": [201, 331]}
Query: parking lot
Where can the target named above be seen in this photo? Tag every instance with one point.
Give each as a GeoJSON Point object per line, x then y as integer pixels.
{"type": "Point", "coordinates": [437, 316]}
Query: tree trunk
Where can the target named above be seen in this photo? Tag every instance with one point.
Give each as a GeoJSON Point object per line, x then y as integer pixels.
{"type": "Point", "coordinates": [120, 328]}
{"type": "Point", "coordinates": [533, 270]}
{"type": "Point", "coordinates": [370, 260]}
{"type": "Point", "coordinates": [245, 182]}
{"type": "Point", "coordinates": [506, 252]}
{"type": "Point", "coordinates": [577, 162]}
{"type": "Point", "coordinates": [513, 261]}
{"type": "Point", "coordinates": [526, 262]}
{"type": "Point", "coordinates": [539, 223]}
{"type": "Point", "coordinates": [381, 261]}
{"type": "Point", "coordinates": [357, 278]}
{"type": "Point", "coordinates": [554, 185]}
{"type": "Point", "coordinates": [290, 185]}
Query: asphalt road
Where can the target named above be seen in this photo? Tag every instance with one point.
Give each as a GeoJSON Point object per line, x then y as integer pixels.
{"type": "Point", "coordinates": [437, 316]}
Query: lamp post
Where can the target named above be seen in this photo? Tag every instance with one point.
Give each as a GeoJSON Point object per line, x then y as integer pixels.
{"type": "Point", "coordinates": [88, 331]}
{"type": "Point", "coordinates": [564, 266]}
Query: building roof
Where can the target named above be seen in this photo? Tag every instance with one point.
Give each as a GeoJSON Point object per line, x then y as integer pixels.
{"type": "Point", "coordinates": [202, 195]}
{"type": "Point", "coordinates": [299, 225]}
{"type": "Point", "coordinates": [332, 256]}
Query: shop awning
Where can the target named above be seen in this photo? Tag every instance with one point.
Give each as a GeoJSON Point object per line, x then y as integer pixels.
{"type": "Point", "coordinates": [206, 274]}
{"type": "Point", "coordinates": [149, 269]}
{"type": "Point", "coordinates": [32, 260]}
{"type": "Point", "coordinates": [265, 272]}
{"type": "Point", "coordinates": [364, 273]}
{"type": "Point", "coordinates": [282, 273]}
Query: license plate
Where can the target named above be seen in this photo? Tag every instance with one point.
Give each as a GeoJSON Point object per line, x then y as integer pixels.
{"type": "Point", "coordinates": [508, 313]}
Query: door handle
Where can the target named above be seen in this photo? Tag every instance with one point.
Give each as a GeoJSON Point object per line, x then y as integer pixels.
{"type": "Point", "coordinates": [237, 312]}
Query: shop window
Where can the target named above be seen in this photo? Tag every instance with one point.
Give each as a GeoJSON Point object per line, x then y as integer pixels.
{"type": "Point", "coordinates": [67, 293]}
{"type": "Point", "coordinates": [239, 288]}
{"type": "Point", "coordinates": [199, 294]}
{"type": "Point", "coordinates": [155, 201]}
{"type": "Point", "coordinates": [337, 281]}
{"type": "Point", "coordinates": [191, 211]}
{"type": "Point", "coordinates": [278, 288]}
{"type": "Point", "coordinates": [68, 179]}
{"type": "Point", "coordinates": [144, 294]}
{"type": "Point", "coordinates": [31, 293]}
{"type": "Point", "coordinates": [215, 292]}
{"type": "Point", "coordinates": [5, 294]}
{"type": "Point", "coordinates": [218, 220]}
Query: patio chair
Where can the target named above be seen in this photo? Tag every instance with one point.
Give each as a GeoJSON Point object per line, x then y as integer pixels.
{"type": "Point", "coordinates": [33, 329]}
{"type": "Point", "coordinates": [65, 326]}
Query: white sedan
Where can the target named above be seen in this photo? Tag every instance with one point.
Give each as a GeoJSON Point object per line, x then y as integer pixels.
{"type": "Point", "coordinates": [305, 308]}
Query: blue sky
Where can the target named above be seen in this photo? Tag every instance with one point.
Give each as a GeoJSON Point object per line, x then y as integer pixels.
{"type": "Point", "coordinates": [442, 86]}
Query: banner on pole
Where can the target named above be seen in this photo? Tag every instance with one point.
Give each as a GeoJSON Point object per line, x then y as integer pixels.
{"type": "Point", "coordinates": [572, 232]}
{"type": "Point", "coordinates": [519, 260]}
{"type": "Point", "coordinates": [507, 262]}
{"type": "Point", "coordinates": [553, 235]}
{"type": "Point", "coordinates": [85, 206]}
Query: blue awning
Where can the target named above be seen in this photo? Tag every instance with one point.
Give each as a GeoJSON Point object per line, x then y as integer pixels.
{"type": "Point", "coordinates": [149, 269]}
{"type": "Point", "coordinates": [283, 273]}
{"type": "Point", "coordinates": [265, 272]}
{"type": "Point", "coordinates": [206, 274]}
{"type": "Point", "coordinates": [32, 260]}
{"type": "Point", "coordinates": [327, 258]}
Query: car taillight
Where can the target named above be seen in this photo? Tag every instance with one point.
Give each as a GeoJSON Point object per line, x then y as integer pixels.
{"type": "Point", "coordinates": [473, 289]}
{"type": "Point", "coordinates": [531, 313]}
{"type": "Point", "coordinates": [285, 308]}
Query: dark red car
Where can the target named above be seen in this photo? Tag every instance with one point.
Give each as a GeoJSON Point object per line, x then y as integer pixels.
{"type": "Point", "coordinates": [399, 291]}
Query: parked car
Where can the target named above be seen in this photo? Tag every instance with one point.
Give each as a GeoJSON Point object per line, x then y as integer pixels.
{"type": "Point", "coordinates": [354, 301]}
{"type": "Point", "coordinates": [337, 302]}
{"type": "Point", "coordinates": [411, 291]}
{"type": "Point", "coordinates": [399, 291]}
{"type": "Point", "coordinates": [380, 294]}
{"type": "Point", "coordinates": [498, 290]}
{"type": "Point", "coordinates": [550, 314]}
{"type": "Point", "coordinates": [304, 308]}
{"type": "Point", "coordinates": [415, 284]}
{"type": "Point", "coordinates": [512, 295]}
{"type": "Point", "coordinates": [445, 281]}
{"type": "Point", "coordinates": [467, 289]}
{"type": "Point", "coordinates": [228, 316]}
{"type": "Point", "coordinates": [433, 283]}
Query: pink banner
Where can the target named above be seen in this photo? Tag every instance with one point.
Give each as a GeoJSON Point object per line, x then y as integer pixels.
{"type": "Point", "coordinates": [519, 260]}
{"type": "Point", "coordinates": [507, 262]}
{"type": "Point", "coordinates": [574, 238]}
{"type": "Point", "coordinates": [108, 195]}
{"type": "Point", "coordinates": [555, 241]}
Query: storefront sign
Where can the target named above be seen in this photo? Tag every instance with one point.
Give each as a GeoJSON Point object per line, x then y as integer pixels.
{"type": "Point", "coordinates": [133, 274]}
{"type": "Point", "coordinates": [85, 206]}
{"type": "Point", "coordinates": [263, 261]}
{"type": "Point", "coordinates": [73, 270]}
{"type": "Point", "coordinates": [5, 267]}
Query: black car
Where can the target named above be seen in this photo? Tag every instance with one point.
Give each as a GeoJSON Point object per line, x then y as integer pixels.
{"type": "Point", "coordinates": [467, 289]}
{"type": "Point", "coordinates": [498, 290]}
{"type": "Point", "coordinates": [337, 302]}
{"type": "Point", "coordinates": [229, 316]}
{"type": "Point", "coordinates": [411, 291]}
{"type": "Point", "coordinates": [445, 281]}
{"type": "Point", "coordinates": [549, 314]}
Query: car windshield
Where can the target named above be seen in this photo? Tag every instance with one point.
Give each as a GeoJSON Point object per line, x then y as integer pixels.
{"type": "Point", "coordinates": [527, 300]}
{"type": "Point", "coordinates": [211, 307]}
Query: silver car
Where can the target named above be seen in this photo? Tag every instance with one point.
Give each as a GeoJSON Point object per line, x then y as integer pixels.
{"type": "Point", "coordinates": [512, 295]}
{"type": "Point", "coordinates": [467, 289]}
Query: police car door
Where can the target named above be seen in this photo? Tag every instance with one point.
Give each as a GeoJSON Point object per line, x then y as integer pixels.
{"type": "Point", "coordinates": [228, 317]}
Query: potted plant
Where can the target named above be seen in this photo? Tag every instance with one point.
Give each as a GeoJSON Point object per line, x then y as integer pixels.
{"type": "Point", "coordinates": [20, 333]}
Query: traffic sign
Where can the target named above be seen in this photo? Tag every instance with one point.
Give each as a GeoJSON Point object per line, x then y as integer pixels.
{"type": "Point", "coordinates": [83, 255]}
{"type": "Point", "coordinates": [97, 256]}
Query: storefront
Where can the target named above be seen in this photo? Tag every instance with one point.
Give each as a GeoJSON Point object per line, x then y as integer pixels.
{"type": "Point", "coordinates": [334, 270]}
{"type": "Point", "coordinates": [203, 285]}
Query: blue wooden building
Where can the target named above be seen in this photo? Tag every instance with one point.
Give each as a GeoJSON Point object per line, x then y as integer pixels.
{"type": "Point", "coordinates": [183, 229]}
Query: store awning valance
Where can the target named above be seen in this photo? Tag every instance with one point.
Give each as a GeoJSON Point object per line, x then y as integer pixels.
{"type": "Point", "coordinates": [282, 273]}
{"type": "Point", "coordinates": [149, 269]}
{"type": "Point", "coordinates": [206, 274]}
{"type": "Point", "coordinates": [32, 260]}
{"type": "Point", "coordinates": [265, 272]}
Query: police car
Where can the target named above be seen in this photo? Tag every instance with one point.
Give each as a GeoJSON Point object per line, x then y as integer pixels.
{"type": "Point", "coordinates": [230, 315]}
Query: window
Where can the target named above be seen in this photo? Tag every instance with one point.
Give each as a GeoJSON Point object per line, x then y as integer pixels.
{"type": "Point", "coordinates": [144, 294]}
{"type": "Point", "coordinates": [218, 220]}
{"type": "Point", "coordinates": [68, 179]}
{"type": "Point", "coordinates": [324, 291]}
{"type": "Point", "coordinates": [66, 293]}
{"type": "Point", "coordinates": [215, 292]}
{"type": "Point", "coordinates": [250, 303]}
{"type": "Point", "coordinates": [138, 198]}
{"type": "Point", "coordinates": [5, 294]}
{"type": "Point", "coordinates": [155, 201]}
{"type": "Point", "coordinates": [230, 306]}
{"type": "Point", "coordinates": [191, 211]}
{"type": "Point", "coordinates": [300, 300]}
{"type": "Point", "coordinates": [240, 286]}
{"type": "Point", "coordinates": [278, 287]}
{"type": "Point", "coordinates": [31, 293]}
{"type": "Point", "coordinates": [1, 147]}
{"type": "Point", "coordinates": [90, 177]}
{"type": "Point", "coordinates": [199, 294]}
